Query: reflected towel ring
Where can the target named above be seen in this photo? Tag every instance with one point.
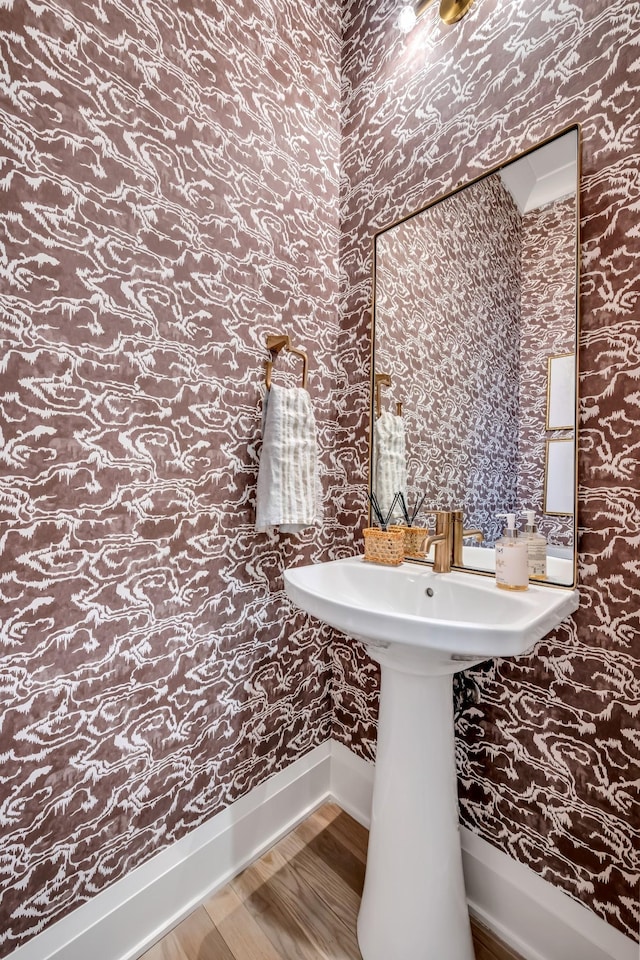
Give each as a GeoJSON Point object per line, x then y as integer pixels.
{"type": "Point", "coordinates": [384, 380]}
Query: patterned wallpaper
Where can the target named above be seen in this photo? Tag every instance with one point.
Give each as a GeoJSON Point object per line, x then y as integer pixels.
{"type": "Point", "coordinates": [169, 179]}
{"type": "Point", "coordinates": [447, 330]}
{"type": "Point", "coordinates": [547, 752]}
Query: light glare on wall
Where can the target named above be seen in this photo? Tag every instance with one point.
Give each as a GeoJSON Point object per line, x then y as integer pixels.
{"type": "Point", "coordinates": [450, 12]}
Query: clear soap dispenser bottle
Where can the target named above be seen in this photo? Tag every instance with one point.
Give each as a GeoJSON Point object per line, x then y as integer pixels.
{"type": "Point", "coordinates": [536, 548]}
{"type": "Point", "coordinates": [512, 557]}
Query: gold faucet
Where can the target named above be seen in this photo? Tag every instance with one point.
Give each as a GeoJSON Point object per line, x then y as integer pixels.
{"type": "Point", "coordinates": [459, 534]}
{"type": "Point", "coordinates": [443, 541]}
{"type": "Point", "coordinates": [447, 539]}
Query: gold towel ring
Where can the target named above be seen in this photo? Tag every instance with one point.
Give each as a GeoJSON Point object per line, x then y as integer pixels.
{"type": "Point", "coordinates": [277, 342]}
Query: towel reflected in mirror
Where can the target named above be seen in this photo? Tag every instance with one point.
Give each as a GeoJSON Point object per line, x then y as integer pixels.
{"type": "Point", "coordinates": [390, 461]}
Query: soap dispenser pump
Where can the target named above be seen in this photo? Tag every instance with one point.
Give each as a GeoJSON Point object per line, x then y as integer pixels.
{"type": "Point", "coordinates": [536, 548]}
{"type": "Point", "coordinates": [512, 557]}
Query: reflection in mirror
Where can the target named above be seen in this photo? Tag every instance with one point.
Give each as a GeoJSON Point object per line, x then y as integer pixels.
{"type": "Point", "coordinates": [475, 305]}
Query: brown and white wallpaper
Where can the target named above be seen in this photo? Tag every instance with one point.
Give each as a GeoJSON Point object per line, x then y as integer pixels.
{"type": "Point", "coordinates": [168, 196]}
{"type": "Point", "coordinates": [447, 330]}
{"type": "Point", "coordinates": [548, 749]}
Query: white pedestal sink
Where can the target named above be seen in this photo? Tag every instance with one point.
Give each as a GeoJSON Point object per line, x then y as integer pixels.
{"type": "Point", "coordinates": [421, 627]}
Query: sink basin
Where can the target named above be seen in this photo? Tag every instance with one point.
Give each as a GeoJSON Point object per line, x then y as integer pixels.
{"type": "Point", "coordinates": [421, 627]}
{"type": "Point", "coordinates": [434, 622]}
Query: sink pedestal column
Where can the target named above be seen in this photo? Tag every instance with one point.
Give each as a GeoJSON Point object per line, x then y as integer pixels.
{"type": "Point", "coordinates": [414, 905]}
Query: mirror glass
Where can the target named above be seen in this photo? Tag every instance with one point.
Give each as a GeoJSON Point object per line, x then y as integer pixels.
{"type": "Point", "coordinates": [474, 356]}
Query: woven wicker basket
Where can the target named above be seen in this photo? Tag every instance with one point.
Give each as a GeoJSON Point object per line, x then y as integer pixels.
{"type": "Point", "coordinates": [384, 546]}
{"type": "Point", "coordinates": [414, 538]}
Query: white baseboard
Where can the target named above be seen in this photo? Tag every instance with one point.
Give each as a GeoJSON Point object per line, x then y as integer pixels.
{"type": "Point", "coordinates": [537, 919]}
{"type": "Point", "coordinates": [351, 783]}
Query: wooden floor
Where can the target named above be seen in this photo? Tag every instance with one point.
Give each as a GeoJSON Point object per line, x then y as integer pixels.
{"type": "Point", "coordinates": [298, 902]}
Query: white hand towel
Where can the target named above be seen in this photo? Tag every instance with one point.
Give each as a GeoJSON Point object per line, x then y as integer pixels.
{"type": "Point", "coordinates": [288, 493]}
{"type": "Point", "coordinates": [390, 475]}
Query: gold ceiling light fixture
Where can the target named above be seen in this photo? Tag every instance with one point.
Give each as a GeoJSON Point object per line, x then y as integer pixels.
{"type": "Point", "coordinates": [450, 12]}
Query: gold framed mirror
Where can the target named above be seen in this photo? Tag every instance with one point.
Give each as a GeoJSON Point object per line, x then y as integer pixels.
{"type": "Point", "coordinates": [473, 294]}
